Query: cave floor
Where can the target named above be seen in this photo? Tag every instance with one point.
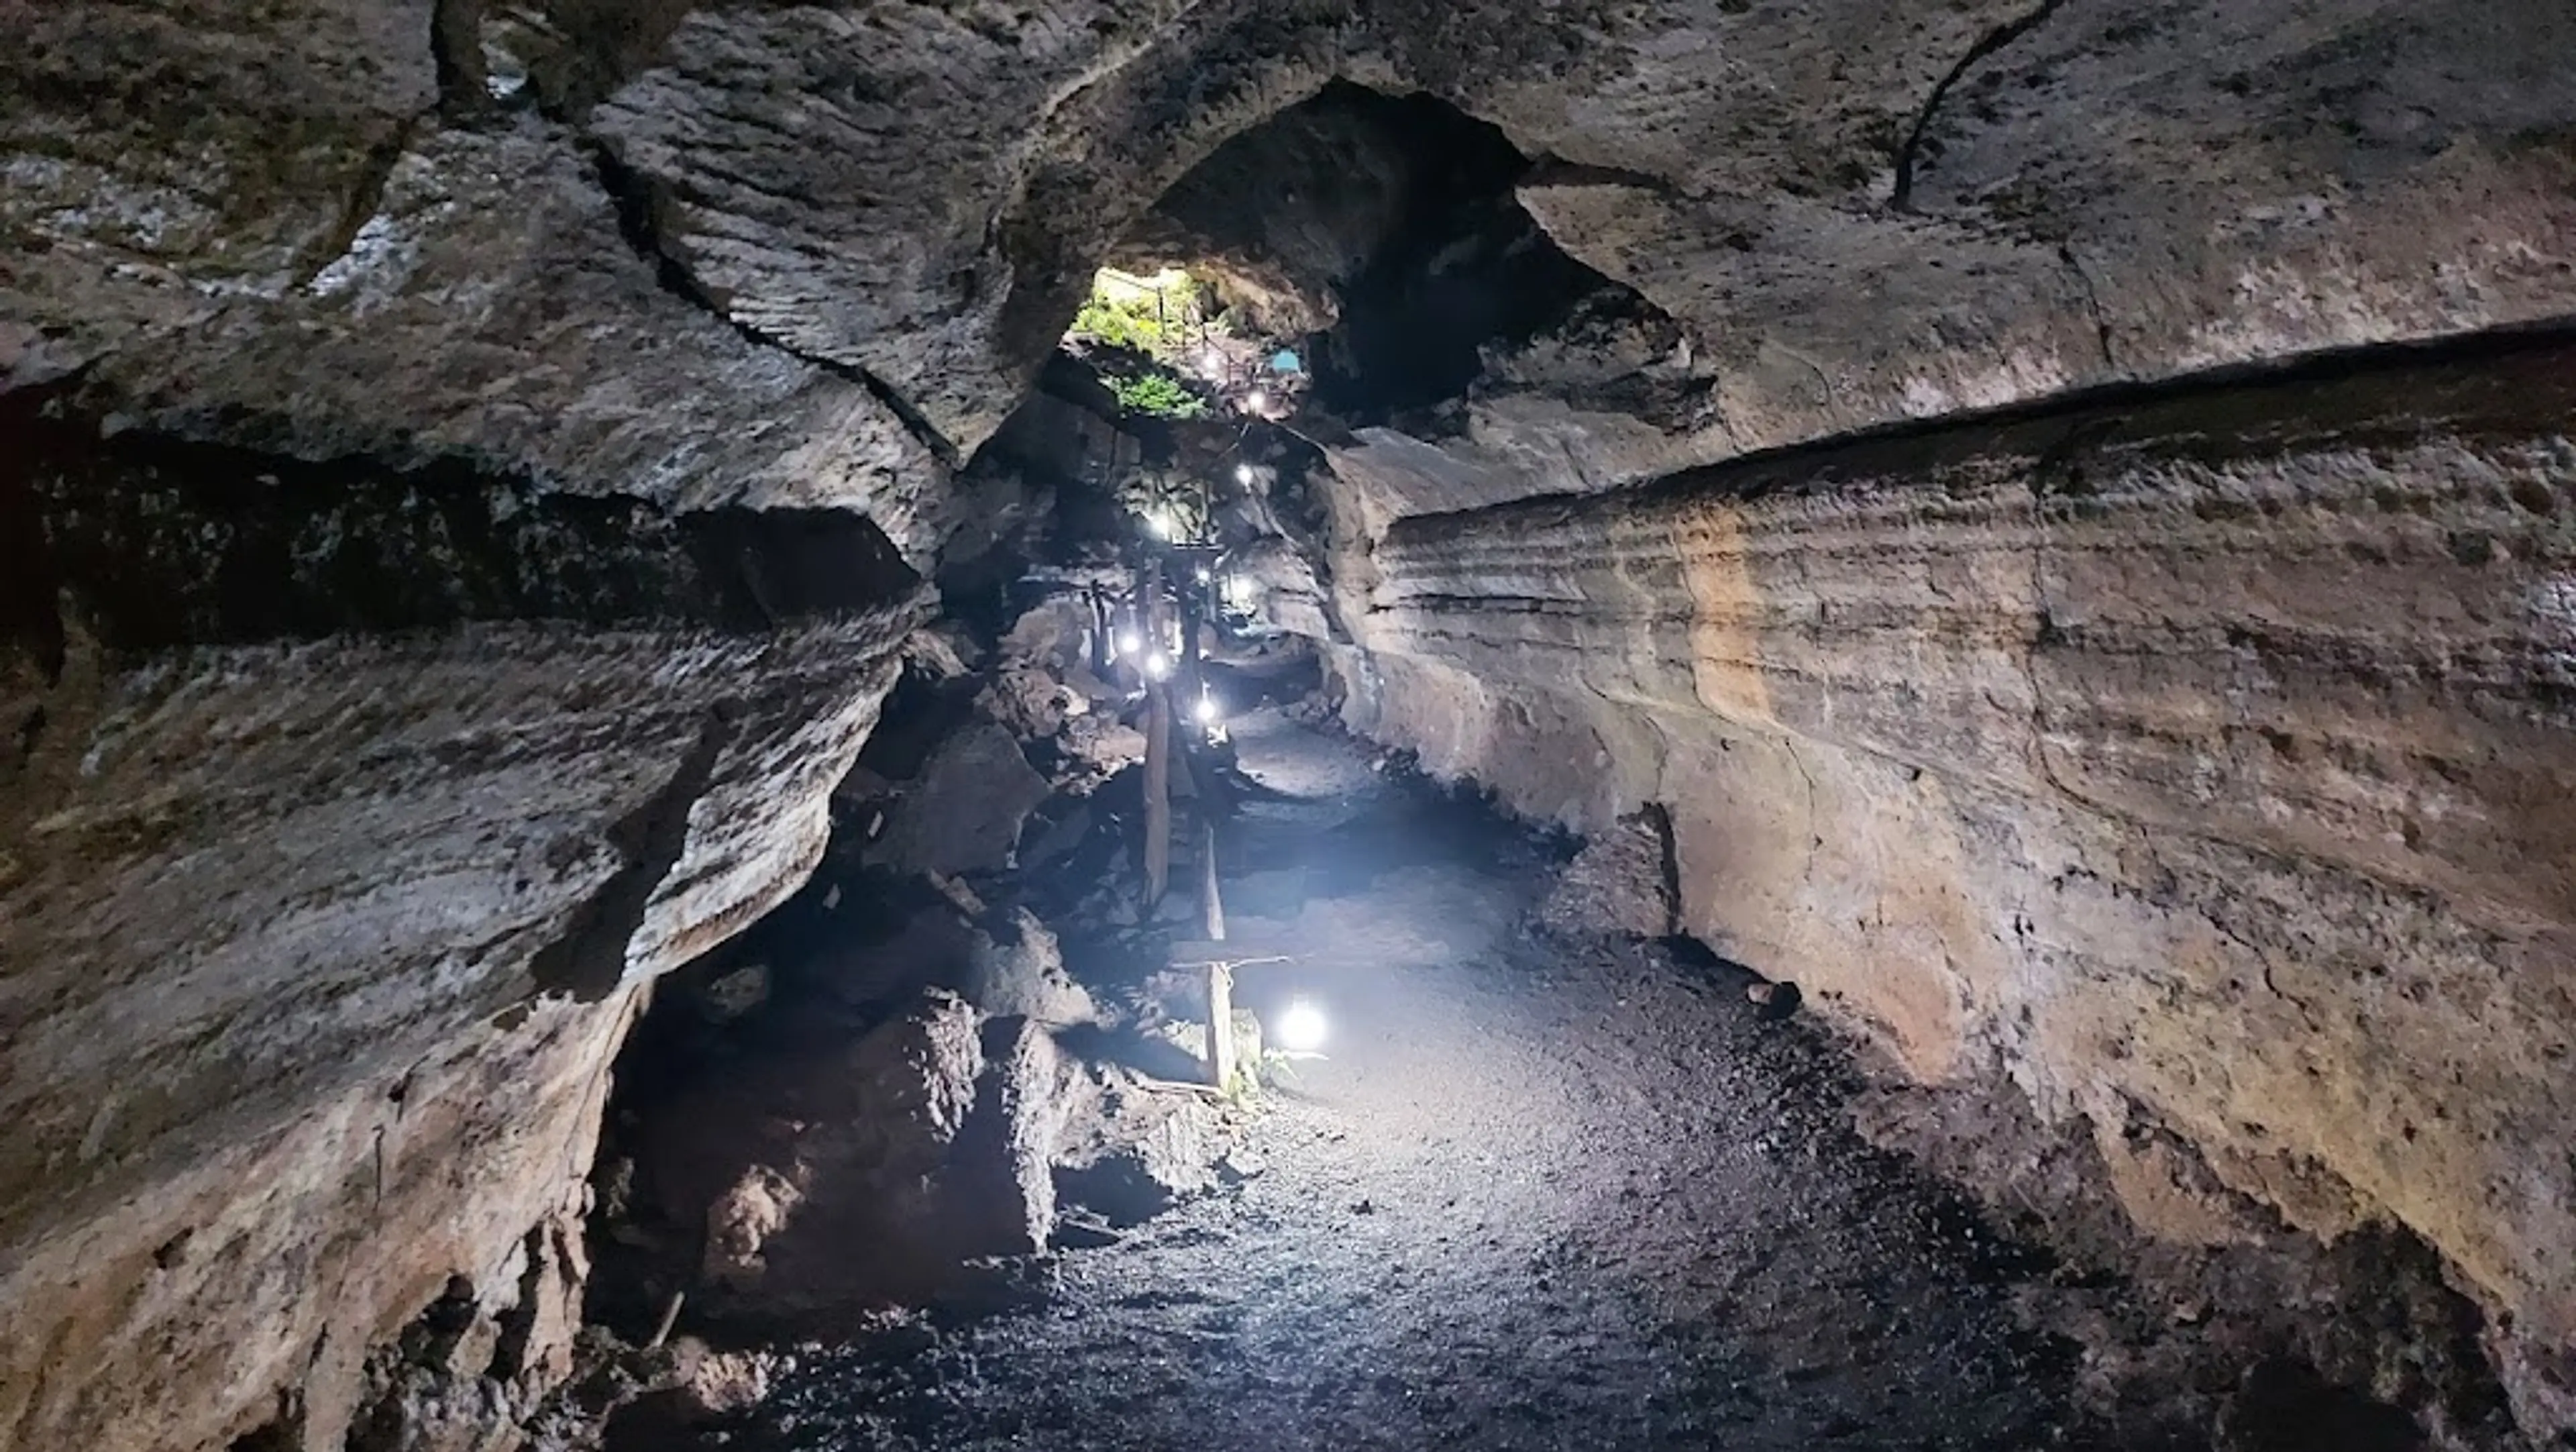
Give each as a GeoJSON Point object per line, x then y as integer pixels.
{"type": "Point", "coordinates": [1540, 1194]}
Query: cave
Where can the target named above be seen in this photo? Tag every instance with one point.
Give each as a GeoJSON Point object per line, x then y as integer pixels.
{"type": "Point", "coordinates": [1355, 725]}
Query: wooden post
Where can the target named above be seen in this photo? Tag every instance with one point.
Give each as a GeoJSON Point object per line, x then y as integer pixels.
{"type": "Point", "coordinates": [1221, 1025]}
{"type": "Point", "coordinates": [1192, 687]}
{"type": "Point", "coordinates": [1158, 751]}
{"type": "Point", "coordinates": [1211, 904]}
{"type": "Point", "coordinates": [1103, 621]}
{"type": "Point", "coordinates": [1158, 794]}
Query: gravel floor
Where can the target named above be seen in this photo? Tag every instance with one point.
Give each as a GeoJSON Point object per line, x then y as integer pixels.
{"type": "Point", "coordinates": [1540, 1195]}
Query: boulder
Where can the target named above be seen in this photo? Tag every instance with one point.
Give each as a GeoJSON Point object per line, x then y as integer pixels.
{"type": "Point", "coordinates": [1016, 970]}
{"type": "Point", "coordinates": [963, 812]}
{"type": "Point", "coordinates": [1132, 1149]}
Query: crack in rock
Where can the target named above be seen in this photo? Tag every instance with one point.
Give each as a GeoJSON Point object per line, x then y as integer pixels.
{"type": "Point", "coordinates": [639, 203]}
{"type": "Point", "coordinates": [589, 960]}
{"type": "Point", "coordinates": [365, 200]}
{"type": "Point", "coordinates": [1901, 198]}
{"type": "Point", "coordinates": [2092, 304]}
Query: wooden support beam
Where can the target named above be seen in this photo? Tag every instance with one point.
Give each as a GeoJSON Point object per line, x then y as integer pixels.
{"type": "Point", "coordinates": [1158, 795]}
{"type": "Point", "coordinates": [1221, 1062]}
{"type": "Point", "coordinates": [1211, 898]}
{"type": "Point", "coordinates": [1158, 743]}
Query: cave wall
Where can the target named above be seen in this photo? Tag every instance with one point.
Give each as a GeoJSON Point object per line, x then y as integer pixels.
{"type": "Point", "coordinates": [2198, 759]}
{"type": "Point", "coordinates": [543, 335]}
{"type": "Point", "coordinates": [346, 811]}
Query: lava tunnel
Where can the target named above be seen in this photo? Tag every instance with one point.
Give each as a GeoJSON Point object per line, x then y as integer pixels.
{"type": "Point", "coordinates": [1355, 725]}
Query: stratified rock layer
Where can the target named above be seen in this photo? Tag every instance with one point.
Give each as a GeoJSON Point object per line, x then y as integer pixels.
{"type": "Point", "coordinates": [2205, 757]}
{"type": "Point", "coordinates": [343, 810]}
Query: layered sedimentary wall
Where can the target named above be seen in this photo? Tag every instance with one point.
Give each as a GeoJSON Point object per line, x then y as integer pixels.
{"type": "Point", "coordinates": [345, 812]}
{"type": "Point", "coordinates": [2202, 759]}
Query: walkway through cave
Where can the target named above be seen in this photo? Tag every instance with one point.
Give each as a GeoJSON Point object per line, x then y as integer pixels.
{"type": "Point", "coordinates": [1544, 1190]}
{"type": "Point", "coordinates": [1561, 1178]}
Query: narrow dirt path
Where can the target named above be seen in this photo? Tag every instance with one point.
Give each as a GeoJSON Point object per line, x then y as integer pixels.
{"type": "Point", "coordinates": [1540, 1195]}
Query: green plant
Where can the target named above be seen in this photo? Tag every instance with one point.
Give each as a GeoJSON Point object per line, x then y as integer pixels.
{"type": "Point", "coordinates": [1118, 325]}
{"type": "Point", "coordinates": [1155, 395]}
{"type": "Point", "coordinates": [1160, 315]}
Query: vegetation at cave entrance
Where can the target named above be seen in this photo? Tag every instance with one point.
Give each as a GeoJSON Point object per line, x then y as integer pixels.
{"type": "Point", "coordinates": [1155, 395]}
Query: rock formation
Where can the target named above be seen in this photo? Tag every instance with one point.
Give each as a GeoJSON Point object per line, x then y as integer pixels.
{"type": "Point", "coordinates": [467, 469]}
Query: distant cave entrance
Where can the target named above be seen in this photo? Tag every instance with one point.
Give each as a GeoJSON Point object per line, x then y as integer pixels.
{"type": "Point", "coordinates": [1360, 254]}
{"type": "Point", "coordinates": [1357, 260]}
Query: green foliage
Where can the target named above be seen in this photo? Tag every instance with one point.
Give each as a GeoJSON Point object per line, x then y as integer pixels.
{"type": "Point", "coordinates": [1160, 316]}
{"type": "Point", "coordinates": [1155, 395]}
{"type": "Point", "coordinates": [1131, 324]}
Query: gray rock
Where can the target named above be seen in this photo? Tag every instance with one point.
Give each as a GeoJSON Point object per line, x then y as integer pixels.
{"type": "Point", "coordinates": [1136, 1149]}
{"type": "Point", "coordinates": [1019, 973]}
{"type": "Point", "coordinates": [963, 813]}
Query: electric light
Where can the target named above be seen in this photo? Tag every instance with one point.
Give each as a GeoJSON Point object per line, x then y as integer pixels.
{"type": "Point", "coordinates": [1300, 1029]}
{"type": "Point", "coordinates": [1157, 666]}
{"type": "Point", "coordinates": [1159, 522]}
{"type": "Point", "coordinates": [1205, 710]}
{"type": "Point", "coordinates": [1203, 574]}
{"type": "Point", "coordinates": [1257, 401]}
{"type": "Point", "coordinates": [1243, 474]}
{"type": "Point", "coordinates": [1130, 642]}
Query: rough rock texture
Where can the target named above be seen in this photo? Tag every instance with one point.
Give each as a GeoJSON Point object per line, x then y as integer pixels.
{"type": "Point", "coordinates": [505, 657]}
{"type": "Point", "coordinates": [860, 232]}
{"type": "Point", "coordinates": [1018, 972]}
{"type": "Point", "coordinates": [2200, 760]}
{"type": "Point", "coordinates": [838, 1173]}
{"type": "Point", "coordinates": [845, 1178]}
{"type": "Point", "coordinates": [1621, 881]}
{"type": "Point", "coordinates": [342, 808]}
{"type": "Point", "coordinates": [964, 810]}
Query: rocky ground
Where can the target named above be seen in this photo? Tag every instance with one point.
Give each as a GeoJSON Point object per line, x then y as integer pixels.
{"type": "Point", "coordinates": [1544, 1189]}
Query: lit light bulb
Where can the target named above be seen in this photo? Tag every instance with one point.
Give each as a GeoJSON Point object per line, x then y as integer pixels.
{"type": "Point", "coordinates": [1203, 574]}
{"type": "Point", "coordinates": [1157, 666]}
{"type": "Point", "coordinates": [1159, 523]}
{"type": "Point", "coordinates": [1257, 401]}
{"type": "Point", "coordinates": [1300, 1029]}
{"type": "Point", "coordinates": [1212, 360]}
{"type": "Point", "coordinates": [1205, 710]}
{"type": "Point", "coordinates": [1130, 642]}
{"type": "Point", "coordinates": [1243, 474]}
